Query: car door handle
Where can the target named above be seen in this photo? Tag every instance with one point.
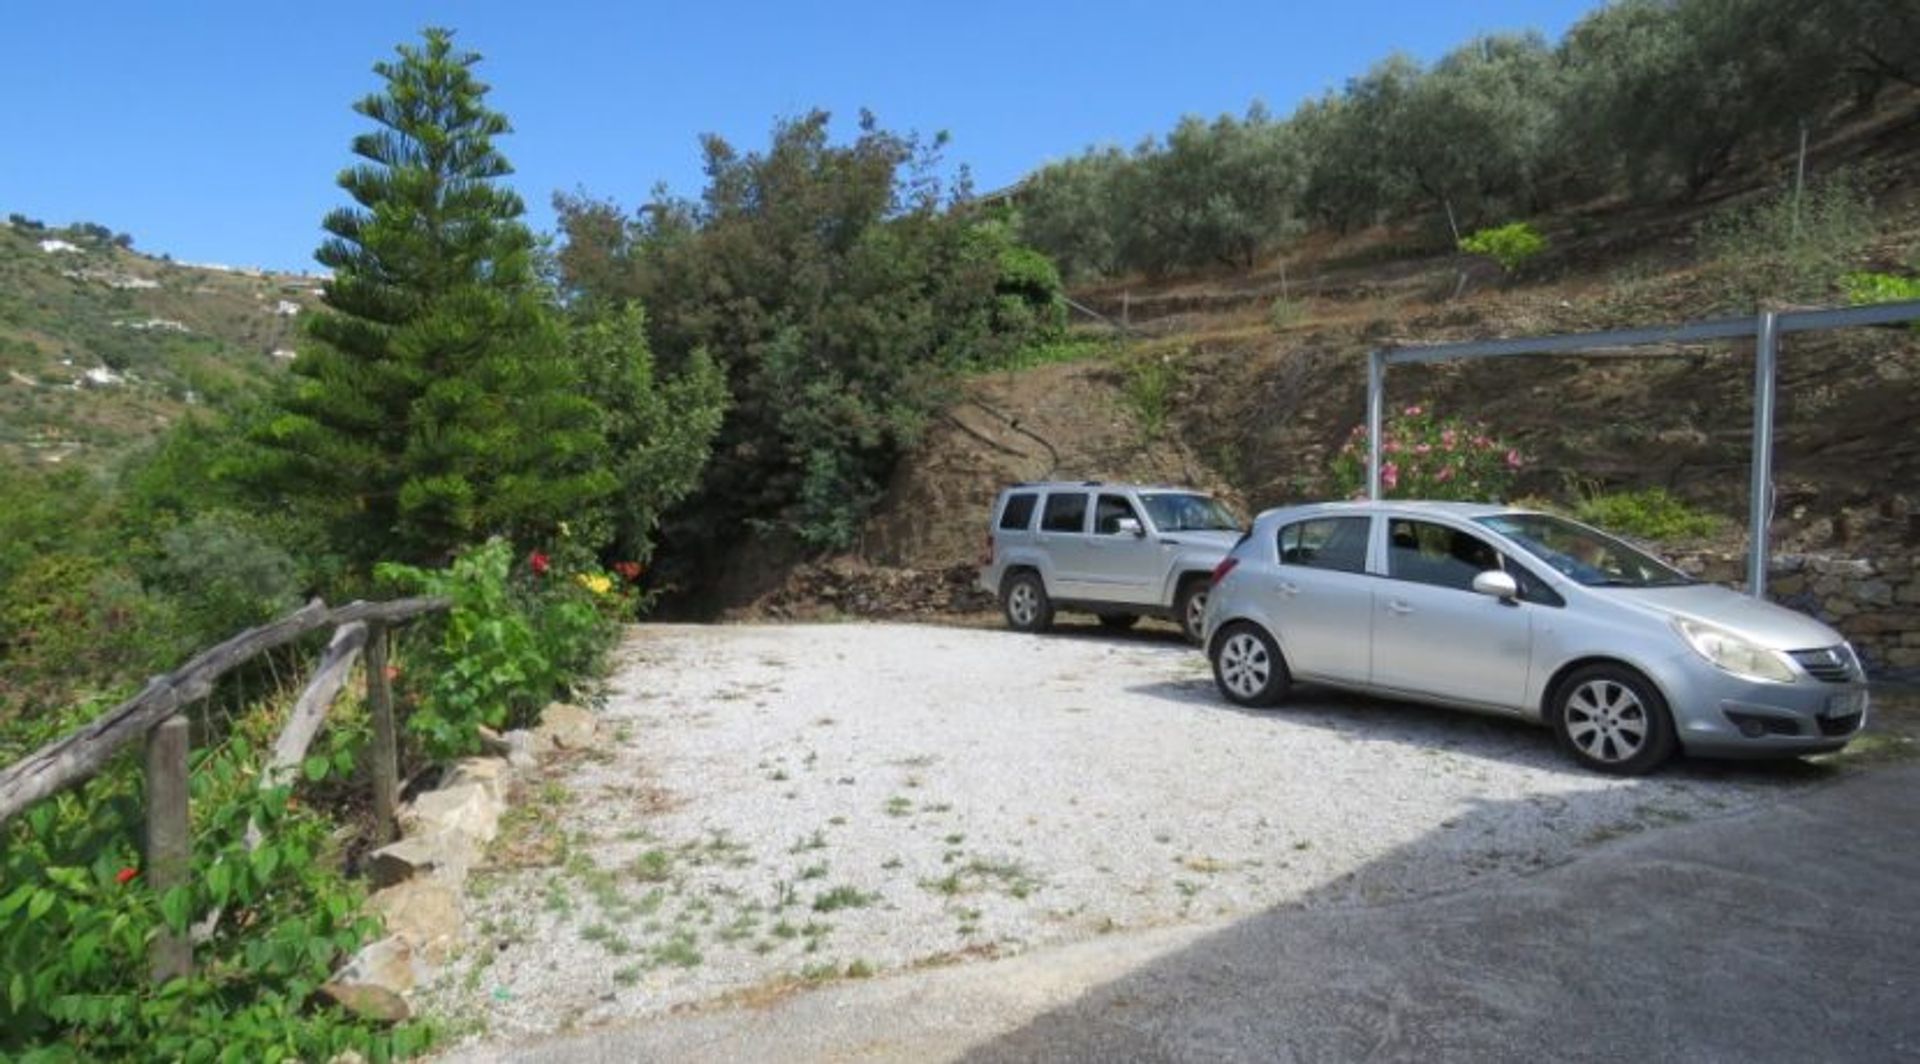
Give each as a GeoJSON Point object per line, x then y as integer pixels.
{"type": "Point", "coordinates": [1397, 606]}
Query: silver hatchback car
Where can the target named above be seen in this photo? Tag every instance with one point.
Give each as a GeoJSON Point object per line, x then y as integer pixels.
{"type": "Point", "coordinates": [1529, 615]}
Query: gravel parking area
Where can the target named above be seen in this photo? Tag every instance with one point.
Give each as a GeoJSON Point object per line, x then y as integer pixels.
{"type": "Point", "coordinates": [783, 805]}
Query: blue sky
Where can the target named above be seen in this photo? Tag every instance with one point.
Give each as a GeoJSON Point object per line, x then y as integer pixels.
{"type": "Point", "coordinates": [213, 130]}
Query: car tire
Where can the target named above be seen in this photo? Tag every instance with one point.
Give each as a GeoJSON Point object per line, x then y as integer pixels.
{"type": "Point", "coordinates": [1611, 719]}
{"type": "Point", "coordinates": [1119, 622]}
{"type": "Point", "coordinates": [1190, 609]}
{"type": "Point", "coordinates": [1248, 667]}
{"type": "Point", "coordinates": [1023, 598]}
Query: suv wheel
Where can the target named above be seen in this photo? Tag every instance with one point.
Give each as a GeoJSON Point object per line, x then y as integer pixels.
{"type": "Point", "coordinates": [1611, 719]}
{"type": "Point", "coordinates": [1190, 609]}
{"type": "Point", "coordinates": [1024, 599]}
{"type": "Point", "coordinates": [1247, 666]}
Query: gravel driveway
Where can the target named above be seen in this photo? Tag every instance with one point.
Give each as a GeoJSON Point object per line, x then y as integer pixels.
{"type": "Point", "coordinates": [783, 805]}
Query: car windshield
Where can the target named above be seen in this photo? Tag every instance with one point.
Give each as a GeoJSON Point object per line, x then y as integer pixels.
{"type": "Point", "coordinates": [1181, 511]}
{"type": "Point", "coordinates": [1584, 555]}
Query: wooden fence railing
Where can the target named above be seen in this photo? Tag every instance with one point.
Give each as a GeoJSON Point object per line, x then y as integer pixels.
{"type": "Point", "coordinates": [156, 714]}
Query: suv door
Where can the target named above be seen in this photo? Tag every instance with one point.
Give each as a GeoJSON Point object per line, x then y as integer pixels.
{"type": "Point", "coordinates": [1121, 566]}
{"type": "Point", "coordinates": [1062, 537]}
{"type": "Point", "coordinates": [1323, 597]}
{"type": "Point", "coordinates": [1433, 634]}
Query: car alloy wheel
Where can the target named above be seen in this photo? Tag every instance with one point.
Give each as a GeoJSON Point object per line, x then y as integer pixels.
{"type": "Point", "coordinates": [1606, 721]}
{"type": "Point", "coordinates": [1023, 605]}
{"type": "Point", "coordinates": [1247, 666]}
{"type": "Point", "coordinates": [1026, 604]}
{"type": "Point", "coordinates": [1613, 719]}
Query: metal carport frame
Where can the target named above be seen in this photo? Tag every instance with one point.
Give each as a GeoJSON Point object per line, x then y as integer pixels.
{"type": "Point", "coordinates": [1765, 329]}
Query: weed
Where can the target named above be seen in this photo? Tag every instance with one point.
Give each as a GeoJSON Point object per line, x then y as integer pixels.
{"type": "Point", "coordinates": [678, 951]}
{"type": "Point", "coordinates": [859, 969]}
{"type": "Point", "coordinates": [653, 866]}
{"type": "Point", "coordinates": [955, 839]}
{"type": "Point", "coordinates": [628, 976]}
{"type": "Point", "coordinates": [898, 806]}
{"type": "Point", "coordinates": [815, 841]}
{"type": "Point", "coordinates": [818, 871]}
{"type": "Point", "coordinates": [843, 897]}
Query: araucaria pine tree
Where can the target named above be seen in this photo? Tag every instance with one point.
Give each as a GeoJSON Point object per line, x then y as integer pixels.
{"type": "Point", "coordinates": [434, 402]}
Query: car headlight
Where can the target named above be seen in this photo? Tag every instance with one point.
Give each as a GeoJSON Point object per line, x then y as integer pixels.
{"type": "Point", "coordinates": [1734, 654]}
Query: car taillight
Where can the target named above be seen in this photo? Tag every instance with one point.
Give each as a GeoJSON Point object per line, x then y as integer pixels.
{"type": "Point", "coordinates": [986, 552]}
{"type": "Point", "coordinates": [1220, 571]}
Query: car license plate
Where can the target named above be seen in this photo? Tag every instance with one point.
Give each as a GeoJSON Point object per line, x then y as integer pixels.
{"type": "Point", "coordinates": [1847, 705]}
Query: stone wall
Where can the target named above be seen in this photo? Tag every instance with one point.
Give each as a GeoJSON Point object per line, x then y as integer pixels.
{"type": "Point", "coordinates": [1874, 602]}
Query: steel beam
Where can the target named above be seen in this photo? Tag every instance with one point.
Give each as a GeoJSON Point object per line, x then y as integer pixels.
{"type": "Point", "coordinates": [1766, 347]}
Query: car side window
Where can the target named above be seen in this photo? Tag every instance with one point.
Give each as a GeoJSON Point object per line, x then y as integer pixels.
{"type": "Point", "coordinates": [1065, 513]}
{"type": "Point", "coordinates": [1428, 553]}
{"type": "Point", "coordinates": [1336, 543]}
{"type": "Point", "coordinates": [1108, 512]}
{"type": "Point", "coordinates": [1018, 513]}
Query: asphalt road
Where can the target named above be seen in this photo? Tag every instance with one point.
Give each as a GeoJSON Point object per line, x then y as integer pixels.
{"type": "Point", "coordinates": [1790, 932]}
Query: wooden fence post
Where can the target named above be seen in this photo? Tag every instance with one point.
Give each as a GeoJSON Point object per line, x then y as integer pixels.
{"type": "Point", "coordinates": [169, 841]}
{"type": "Point", "coordinates": [386, 745]}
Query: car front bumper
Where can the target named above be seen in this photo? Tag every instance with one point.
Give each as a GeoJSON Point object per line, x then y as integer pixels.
{"type": "Point", "coordinates": [1718, 714]}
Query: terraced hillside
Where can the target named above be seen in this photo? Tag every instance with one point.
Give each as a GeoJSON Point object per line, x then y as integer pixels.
{"type": "Point", "coordinates": [102, 347]}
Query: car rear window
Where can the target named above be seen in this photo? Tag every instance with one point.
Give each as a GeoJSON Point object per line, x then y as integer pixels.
{"type": "Point", "coordinates": [1065, 513]}
{"type": "Point", "coordinates": [1337, 543]}
{"type": "Point", "coordinates": [1018, 513]}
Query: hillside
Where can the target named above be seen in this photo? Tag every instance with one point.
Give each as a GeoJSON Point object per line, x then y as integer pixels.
{"type": "Point", "coordinates": [1258, 406]}
{"type": "Point", "coordinates": [101, 347]}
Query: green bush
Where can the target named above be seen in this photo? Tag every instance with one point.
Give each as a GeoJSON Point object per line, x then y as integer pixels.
{"type": "Point", "coordinates": [1651, 513]}
{"type": "Point", "coordinates": [1509, 245]}
{"type": "Point", "coordinates": [1147, 388]}
{"type": "Point", "coordinates": [1863, 288]}
{"type": "Point", "coordinates": [1283, 313]}
{"type": "Point", "coordinates": [509, 645]}
{"type": "Point", "coordinates": [77, 917]}
{"type": "Point", "coordinates": [1777, 249]}
{"type": "Point", "coordinates": [1425, 456]}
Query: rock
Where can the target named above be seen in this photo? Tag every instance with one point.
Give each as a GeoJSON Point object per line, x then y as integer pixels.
{"type": "Point", "coordinates": [492, 741]}
{"type": "Point", "coordinates": [525, 748]}
{"type": "Point", "coordinates": [375, 982]}
{"type": "Point", "coordinates": [1874, 593]}
{"type": "Point", "coordinates": [467, 807]}
{"type": "Point", "coordinates": [426, 914]}
{"type": "Point", "coordinates": [488, 772]}
{"type": "Point", "coordinates": [347, 1056]}
{"type": "Point", "coordinates": [444, 854]}
{"type": "Point", "coordinates": [568, 727]}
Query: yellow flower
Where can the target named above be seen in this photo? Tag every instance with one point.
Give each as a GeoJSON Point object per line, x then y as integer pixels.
{"type": "Point", "coordinates": [598, 583]}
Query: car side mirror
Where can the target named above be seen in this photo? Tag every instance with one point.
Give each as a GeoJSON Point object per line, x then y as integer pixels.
{"type": "Point", "coordinates": [1129, 526]}
{"type": "Point", "coordinates": [1498, 584]}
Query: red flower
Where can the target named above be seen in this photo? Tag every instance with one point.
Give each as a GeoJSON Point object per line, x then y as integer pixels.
{"type": "Point", "coordinates": [629, 570]}
{"type": "Point", "coordinates": [125, 876]}
{"type": "Point", "coordinates": [538, 562]}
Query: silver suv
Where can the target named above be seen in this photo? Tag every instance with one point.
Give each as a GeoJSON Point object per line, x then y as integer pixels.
{"type": "Point", "coordinates": [1114, 550]}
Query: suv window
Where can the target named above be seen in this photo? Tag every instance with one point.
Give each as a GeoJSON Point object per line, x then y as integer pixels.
{"type": "Point", "coordinates": [1337, 543]}
{"type": "Point", "coordinates": [1018, 513]}
{"type": "Point", "coordinates": [1108, 512]}
{"type": "Point", "coordinates": [1065, 513]}
{"type": "Point", "coordinates": [1427, 553]}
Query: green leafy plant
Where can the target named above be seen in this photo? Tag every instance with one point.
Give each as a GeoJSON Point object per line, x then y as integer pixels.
{"type": "Point", "coordinates": [77, 917]}
{"type": "Point", "coordinates": [1864, 288]}
{"type": "Point", "coordinates": [1651, 513]}
{"type": "Point", "coordinates": [1510, 245]}
{"type": "Point", "coordinates": [1425, 456]}
{"type": "Point", "coordinates": [505, 648]}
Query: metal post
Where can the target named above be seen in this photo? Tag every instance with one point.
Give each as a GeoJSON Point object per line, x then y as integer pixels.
{"type": "Point", "coordinates": [169, 839]}
{"type": "Point", "coordinates": [1376, 418]}
{"type": "Point", "coordinates": [1760, 492]}
{"type": "Point", "coordinates": [386, 740]}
